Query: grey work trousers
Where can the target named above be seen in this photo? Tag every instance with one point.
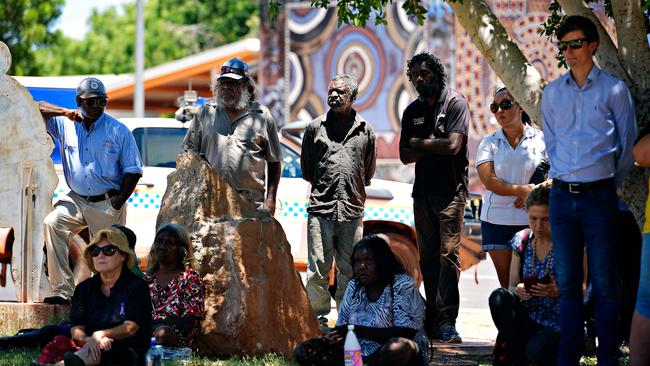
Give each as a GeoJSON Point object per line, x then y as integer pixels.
{"type": "Point", "coordinates": [70, 215]}
{"type": "Point", "coordinates": [328, 240]}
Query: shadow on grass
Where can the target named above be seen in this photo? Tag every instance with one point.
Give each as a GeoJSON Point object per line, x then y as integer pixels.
{"type": "Point", "coordinates": [25, 356]}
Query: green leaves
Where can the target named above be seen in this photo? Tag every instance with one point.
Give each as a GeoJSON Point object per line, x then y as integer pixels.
{"type": "Point", "coordinates": [356, 13]}
{"type": "Point", "coordinates": [550, 26]}
{"type": "Point", "coordinates": [174, 29]}
{"type": "Point", "coordinates": [25, 28]}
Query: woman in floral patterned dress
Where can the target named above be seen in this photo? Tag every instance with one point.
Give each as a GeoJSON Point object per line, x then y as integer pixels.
{"type": "Point", "coordinates": [177, 290]}
{"type": "Point", "coordinates": [527, 314]}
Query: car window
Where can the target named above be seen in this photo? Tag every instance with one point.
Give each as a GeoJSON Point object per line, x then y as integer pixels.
{"type": "Point", "coordinates": [56, 153]}
{"type": "Point", "coordinates": [159, 146]}
{"type": "Point", "coordinates": [290, 163]}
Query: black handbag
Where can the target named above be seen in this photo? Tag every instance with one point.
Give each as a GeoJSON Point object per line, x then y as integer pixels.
{"type": "Point", "coordinates": [541, 172]}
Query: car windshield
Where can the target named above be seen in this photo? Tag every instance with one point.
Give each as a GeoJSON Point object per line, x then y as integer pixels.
{"type": "Point", "coordinates": [159, 147]}
{"type": "Point", "coordinates": [155, 145]}
{"type": "Point", "coordinates": [56, 153]}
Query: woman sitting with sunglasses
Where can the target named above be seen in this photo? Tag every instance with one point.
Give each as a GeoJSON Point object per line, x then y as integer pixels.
{"type": "Point", "coordinates": [111, 311]}
{"type": "Point", "coordinates": [527, 315]}
{"type": "Point", "coordinates": [506, 162]}
{"type": "Point", "coordinates": [384, 305]}
{"type": "Point", "coordinates": [177, 290]}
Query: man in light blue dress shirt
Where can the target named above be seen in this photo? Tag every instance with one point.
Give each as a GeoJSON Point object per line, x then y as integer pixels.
{"type": "Point", "coordinates": [589, 130]}
{"type": "Point", "coordinates": [102, 166]}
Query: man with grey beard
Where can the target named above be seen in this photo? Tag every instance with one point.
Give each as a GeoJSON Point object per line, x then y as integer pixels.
{"type": "Point", "coordinates": [238, 136]}
{"type": "Point", "coordinates": [338, 159]}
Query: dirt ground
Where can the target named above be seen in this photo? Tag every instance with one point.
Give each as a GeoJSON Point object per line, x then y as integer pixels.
{"type": "Point", "coordinates": [465, 354]}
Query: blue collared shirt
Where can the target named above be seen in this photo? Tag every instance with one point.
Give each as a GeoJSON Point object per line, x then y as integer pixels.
{"type": "Point", "coordinates": [95, 161]}
{"type": "Point", "coordinates": [589, 131]}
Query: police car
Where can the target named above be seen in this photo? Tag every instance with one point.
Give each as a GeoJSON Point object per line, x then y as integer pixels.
{"type": "Point", "coordinates": [389, 206]}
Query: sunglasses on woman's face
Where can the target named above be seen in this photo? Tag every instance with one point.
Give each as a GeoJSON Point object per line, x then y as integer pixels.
{"type": "Point", "coordinates": [574, 44]}
{"type": "Point", "coordinates": [505, 105]}
{"type": "Point", "coordinates": [91, 102]}
{"type": "Point", "coordinates": [108, 250]}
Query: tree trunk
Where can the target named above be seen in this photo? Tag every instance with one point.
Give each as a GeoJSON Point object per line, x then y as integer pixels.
{"type": "Point", "coordinates": [523, 81]}
{"type": "Point", "coordinates": [633, 50]}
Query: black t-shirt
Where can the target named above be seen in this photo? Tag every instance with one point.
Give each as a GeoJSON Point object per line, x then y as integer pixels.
{"type": "Point", "coordinates": [438, 175]}
{"type": "Point", "coordinates": [129, 299]}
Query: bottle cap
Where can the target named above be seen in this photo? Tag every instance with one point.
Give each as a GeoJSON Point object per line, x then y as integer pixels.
{"type": "Point", "coordinates": [350, 326]}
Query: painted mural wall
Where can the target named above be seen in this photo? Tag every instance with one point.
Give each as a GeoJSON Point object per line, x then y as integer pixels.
{"type": "Point", "coordinates": [377, 55]}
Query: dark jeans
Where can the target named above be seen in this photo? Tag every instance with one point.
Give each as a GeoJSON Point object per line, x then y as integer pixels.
{"type": "Point", "coordinates": [629, 266]}
{"type": "Point", "coordinates": [578, 220]}
{"type": "Point", "coordinates": [438, 224]}
{"type": "Point", "coordinates": [35, 337]}
{"type": "Point", "coordinates": [528, 341]}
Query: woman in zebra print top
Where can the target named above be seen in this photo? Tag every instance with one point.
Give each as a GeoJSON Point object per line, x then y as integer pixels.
{"type": "Point", "coordinates": [385, 307]}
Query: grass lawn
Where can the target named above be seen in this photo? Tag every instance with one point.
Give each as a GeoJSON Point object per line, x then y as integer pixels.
{"type": "Point", "coordinates": [24, 356]}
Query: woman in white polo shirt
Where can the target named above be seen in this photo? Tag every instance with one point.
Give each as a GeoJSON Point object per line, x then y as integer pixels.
{"type": "Point", "coordinates": [506, 161]}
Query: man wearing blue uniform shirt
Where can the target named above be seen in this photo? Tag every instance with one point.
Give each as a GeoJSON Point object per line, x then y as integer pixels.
{"type": "Point", "coordinates": [102, 166]}
{"type": "Point", "coordinates": [589, 129]}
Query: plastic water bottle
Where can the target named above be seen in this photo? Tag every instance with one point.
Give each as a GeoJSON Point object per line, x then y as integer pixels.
{"type": "Point", "coordinates": [352, 349]}
{"type": "Point", "coordinates": [154, 354]}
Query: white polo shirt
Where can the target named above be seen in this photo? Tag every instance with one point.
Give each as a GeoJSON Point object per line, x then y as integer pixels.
{"type": "Point", "coordinates": [512, 165]}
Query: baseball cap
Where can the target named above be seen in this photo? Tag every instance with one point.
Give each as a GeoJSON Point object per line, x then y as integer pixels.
{"type": "Point", "coordinates": [234, 69]}
{"type": "Point", "coordinates": [91, 87]}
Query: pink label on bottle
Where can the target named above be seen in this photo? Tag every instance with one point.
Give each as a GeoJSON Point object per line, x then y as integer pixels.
{"type": "Point", "coordinates": [352, 358]}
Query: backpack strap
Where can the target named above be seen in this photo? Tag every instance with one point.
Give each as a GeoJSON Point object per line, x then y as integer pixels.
{"type": "Point", "coordinates": [525, 239]}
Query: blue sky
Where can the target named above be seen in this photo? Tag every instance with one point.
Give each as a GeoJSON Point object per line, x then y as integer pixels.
{"type": "Point", "coordinates": [73, 22]}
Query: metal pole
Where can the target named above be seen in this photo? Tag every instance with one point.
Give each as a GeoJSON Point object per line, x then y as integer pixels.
{"type": "Point", "coordinates": [138, 97]}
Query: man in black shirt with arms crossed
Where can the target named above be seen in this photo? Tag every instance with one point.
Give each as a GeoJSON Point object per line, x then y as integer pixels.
{"type": "Point", "coordinates": [434, 137]}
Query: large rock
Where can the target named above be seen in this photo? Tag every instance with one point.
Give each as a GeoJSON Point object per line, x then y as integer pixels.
{"type": "Point", "coordinates": [255, 301]}
{"type": "Point", "coordinates": [27, 182]}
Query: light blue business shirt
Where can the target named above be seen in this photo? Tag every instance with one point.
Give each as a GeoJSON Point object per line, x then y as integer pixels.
{"type": "Point", "coordinates": [589, 132]}
{"type": "Point", "coordinates": [95, 161]}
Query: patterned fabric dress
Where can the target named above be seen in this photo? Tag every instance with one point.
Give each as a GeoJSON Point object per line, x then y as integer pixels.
{"type": "Point", "coordinates": [543, 310]}
{"type": "Point", "coordinates": [403, 307]}
{"type": "Point", "coordinates": [183, 296]}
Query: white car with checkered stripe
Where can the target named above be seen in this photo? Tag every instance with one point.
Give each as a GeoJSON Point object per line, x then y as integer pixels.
{"type": "Point", "coordinates": [388, 206]}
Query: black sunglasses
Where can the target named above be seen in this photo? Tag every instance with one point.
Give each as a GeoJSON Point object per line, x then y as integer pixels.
{"type": "Point", "coordinates": [505, 105]}
{"type": "Point", "coordinates": [91, 102]}
{"type": "Point", "coordinates": [228, 70]}
{"type": "Point", "coordinates": [574, 44]}
{"type": "Point", "coordinates": [108, 250]}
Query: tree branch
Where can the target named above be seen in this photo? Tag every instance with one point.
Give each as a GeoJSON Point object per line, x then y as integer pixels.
{"type": "Point", "coordinates": [523, 81]}
{"type": "Point", "coordinates": [607, 54]}
{"type": "Point", "coordinates": [633, 50]}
